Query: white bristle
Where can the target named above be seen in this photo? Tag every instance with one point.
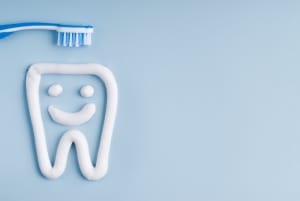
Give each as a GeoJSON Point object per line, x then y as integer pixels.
{"type": "Point", "coordinates": [70, 40]}
{"type": "Point", "coordinates": [67, 38]}
{"type": "Point", "coordinates": [89, 39]}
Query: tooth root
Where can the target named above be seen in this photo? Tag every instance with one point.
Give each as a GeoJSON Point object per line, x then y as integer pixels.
{"type": "Point", "coordinates": [89, 171]}
{"type": "Point", "coordinates": [85, 163]}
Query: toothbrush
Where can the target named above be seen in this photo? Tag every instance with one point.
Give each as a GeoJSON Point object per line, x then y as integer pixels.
{"type": "Point", "coordinates": [68, 35]}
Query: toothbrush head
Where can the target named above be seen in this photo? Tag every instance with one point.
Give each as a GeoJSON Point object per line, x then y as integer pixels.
{"type": "Point", "coordinates": [74, 36]}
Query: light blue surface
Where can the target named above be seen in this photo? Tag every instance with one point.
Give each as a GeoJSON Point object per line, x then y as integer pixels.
{"type": "Point", "coordinates": [209, 99]}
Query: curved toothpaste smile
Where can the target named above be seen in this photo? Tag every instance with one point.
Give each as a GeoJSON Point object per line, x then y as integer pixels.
{"type": "Point", "coordinates": [72, 119]}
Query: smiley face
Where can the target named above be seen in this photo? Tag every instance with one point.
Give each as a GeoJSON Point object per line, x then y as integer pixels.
{"type": "Point", "coordinates": [83, 79]}
{"type": "Point", "coordinates": [75, 118]}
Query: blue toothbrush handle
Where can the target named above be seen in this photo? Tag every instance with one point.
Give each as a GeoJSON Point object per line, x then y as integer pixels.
{"type": "Point", "coordinates": [5, 34]}
{"type": "Point", "coordinates": [26, 24]}
{"type": "Point", "coordinates": [8, 29]}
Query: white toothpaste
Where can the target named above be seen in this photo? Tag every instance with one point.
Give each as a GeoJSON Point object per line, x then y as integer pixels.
{"type": "Point", "coordinates": [71, 136]}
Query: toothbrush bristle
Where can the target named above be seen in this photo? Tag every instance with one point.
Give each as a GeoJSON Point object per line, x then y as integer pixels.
{"type": "Point", "coordinates": [74, 39]}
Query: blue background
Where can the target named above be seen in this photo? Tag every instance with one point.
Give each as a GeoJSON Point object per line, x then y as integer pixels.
{"type": "Point", "coordinates": [209, 103]}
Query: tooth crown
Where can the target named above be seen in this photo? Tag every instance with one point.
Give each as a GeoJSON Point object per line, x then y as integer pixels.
{"type": "Point", "coordinates": [89, 171]}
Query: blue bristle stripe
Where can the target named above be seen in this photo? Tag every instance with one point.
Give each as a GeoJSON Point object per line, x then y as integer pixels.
{"type": "Point", "coordinates": [80, 39]}
{"type": "Point", "coordinates": [61, 38]}
{"type": "Point", "coordinates": [73, 39]}
{"type": "Point", "coordinates": [67, 39]}
{"type": "Point", "coordinates": [83, 39]}
{"type": "Point", "coordinates": [58, 39]}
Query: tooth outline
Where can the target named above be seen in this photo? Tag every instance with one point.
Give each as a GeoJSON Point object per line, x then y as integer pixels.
{"type": "Point", "coordinates": [89, 171]}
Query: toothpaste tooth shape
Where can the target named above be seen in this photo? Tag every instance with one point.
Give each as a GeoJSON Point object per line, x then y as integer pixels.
{"type": "Point", "coordinates": [71, 136]}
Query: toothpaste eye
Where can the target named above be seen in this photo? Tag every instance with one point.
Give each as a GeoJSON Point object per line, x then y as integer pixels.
{"type": "Point", "coordinates": [55, 90]}
{"type": "Point", "coordinates": [87, 91]}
